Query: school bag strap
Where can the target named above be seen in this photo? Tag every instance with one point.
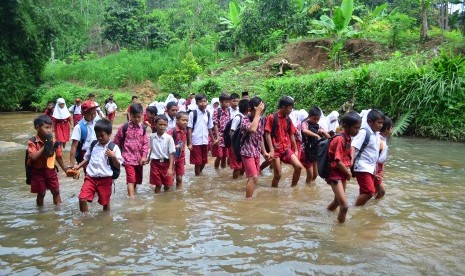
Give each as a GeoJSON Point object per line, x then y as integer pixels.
{"type": "Point", "coordinates": [26, 159]}
{"type": "Point", "coordinates": [362, 148]}
{"type": "Point", "coordinates": [194, 119]}
{"type": "Point", "coordinates": [83, 127]}
{"type": "Point", "coordinates": [125, 130]}
{"type": "Point", "coordinates": [274, 127]}
{"type": "Point", "coordinates": [111, 146]}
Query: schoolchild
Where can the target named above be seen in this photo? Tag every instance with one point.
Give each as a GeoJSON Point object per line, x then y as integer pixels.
{"type": "Point", "coordinates": [171, 110]}
{"type": "Point", "coordinates": [99, 170]}
{"type": "Point", "coordinates": [385, 133]}
{"type": "Point", "coordinates": [42, 154]}
{"type": "Point", "coordinates": [111, 107]}
{"type": "Point", "coordinates": [340, 156]}
{"type": "Point", "coordinates": [221, 116]}
{"type": "Point", "coordinates": [235, 165]}
{"type": "Point", "coordinates": [75, 109]}
{"type": "Point", "coordinates": [132, 139]}
{"type": "Point", "coordinates": [134, 99]}
{"type": "Point", "coordinates": [162, 151]}
{"type": "Point", "coordinates": [234, 105]}
{"type": "Point", "coordinates": [281, 141]}
{"type": "Point", "coordinates": [49, 110]}
{"type": "Point", "coordinates": [252, 144]}
{"type": "Point", "coordinates": [198, 132]}
{"type": "Point", "coordinates": [91, 97]}
{"type": "Point", "coordinates": [61, 119]}
{"type": "Point", "coordinates": [179, 134]}
{"type": "Point", "coordinates": [83, 133]}
{"type": "Point", "coordinates": [311, 134]}
{"type": "Point", "coordinates": [366, 156]}
{"type": "Point", "coordinates": [149, 117]}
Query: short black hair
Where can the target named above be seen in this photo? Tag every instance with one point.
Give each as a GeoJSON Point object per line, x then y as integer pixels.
{"type": "Point", "coordinates": [41, 120]}
{"type": "Point", "coordinates": [103, 125]}
{"type": "Point", "coordinates": [351, 118]}
{"type": "Point", "coordinates": [234, 96]}
{"type": "Point", "coordinates": [375, 114]}
{"type": "Point", "coordinates": [243, 105]}
{"type": "Point", "coordinates": [285, 101]}
{"type": "Point", "coordinates": [254, 102]}
{"type": "Point", "coordinates": [200, 97]}
{"type": "Point", "coordinates": [134, 97]}
{"type": "Point", "coordinates": [170, 105]}
{"type": "Point", "coordinates": [315, 111]}
{"type": "Point", "coordinates": [161, 117]}
{"type": "Point", "coordinates": [50, 102]}
{"type": "Point", "coordinates": [176, 95]}
{"type": "Point", "coordinates": [180, 114]}
{"type": "Point", "coordinates": [110, 99]}
{"type": "Point", "coordinates": [91, 95]}
{"type": "Point", "coordinates": [136, 108]}
{"type": "Point", "coordinates": [152, 109]}
{"type": "Point", "coordinates": [224, 96]}
{"type": "Point", "coordinates": [387, 124]}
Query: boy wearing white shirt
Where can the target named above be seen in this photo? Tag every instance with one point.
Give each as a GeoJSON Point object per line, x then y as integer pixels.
{"type": "Point", "coordinates": [83, 133]}
{"type": "Point", "coordinates": [110, 107]}
{"type": "Point", "coordinates": [235, 165]}
{"type": "Point", "coordinates": [366, 156]}
{"type": "Point", "coordinates": [234, 105]}
{"type": "Point", "coordinates": [161, 156]}
{"type": "Point", "coordinates": [99, 172]}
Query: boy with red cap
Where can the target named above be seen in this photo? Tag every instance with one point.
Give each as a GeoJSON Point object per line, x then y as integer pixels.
{"type": "Point", "coordinates": [83, 133]}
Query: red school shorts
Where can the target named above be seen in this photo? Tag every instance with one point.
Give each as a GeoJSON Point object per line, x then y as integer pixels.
{"type": "Point", "coordinates": [179, 165]}
{"type": "Point", "coordinates": [199, 155]}
{"type": "Point", "coordinates": [99, 185]}
{"type": "Point", "coordinates": [134, 174]}
{"type": "Point", "coordinates": [251, 166]}
{"type": "Point", "coordinates": [111, 116]}
{"type": "Point", "coordinates": [366, 183]}
{"type": "Point", "coordinates": [379, 174]}
{"type": "Point", "coordinates": [285, 156]}
{"type": "Point", "coordinates": [233, 163]}
{"type": "Point", "coordinates": [159, 173]}
{"type": "Point", "coordinates": [335, 175]}
{"type": "Point", "coordinates": [43, 180]}
{"type": "Point", "coordinates": [219, 152]}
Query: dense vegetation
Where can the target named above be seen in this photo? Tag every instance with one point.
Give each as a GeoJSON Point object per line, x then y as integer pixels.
{"type": "Point", "coordinates": [68, 48]}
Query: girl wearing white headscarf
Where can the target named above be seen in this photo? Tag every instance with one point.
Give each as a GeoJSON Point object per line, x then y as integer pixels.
{"type": "Point", "coordinates": [61, 122]}
{"type": "Point", "coordinates": [333, 122]}
{"type": "Point", "coordinates": [323, 122]}
{"type": "Point", "coordinates": [170, 98]}
{"type": "Point", "coordinates": [214, 105]}
{"type": "Point", "coordinates": [181, 105]}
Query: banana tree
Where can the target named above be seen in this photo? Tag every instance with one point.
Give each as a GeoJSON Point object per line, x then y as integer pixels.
{"type": "Point", "coordinates": [233, 22]}
{"type": "Point", "coordinates": [337, 28]}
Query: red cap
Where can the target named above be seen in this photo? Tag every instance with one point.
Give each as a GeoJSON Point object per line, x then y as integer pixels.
{"type": "Point", "coordinates": [88, 106]}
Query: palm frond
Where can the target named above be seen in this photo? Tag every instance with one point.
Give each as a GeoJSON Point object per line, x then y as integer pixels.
{"type": "Point", "coordinates": [403, 123]}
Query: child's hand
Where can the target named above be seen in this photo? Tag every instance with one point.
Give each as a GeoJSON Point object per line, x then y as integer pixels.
{"type": "Point", "coordinates": [143, 161]}
{"type": "Point", "coordinates": [271, 154]}
{"type": "Point", "coordinates": [259, 109]}
{"type": "Point", "coordinates": [170, 172]}
{"type": "Point", "coordinates": [267, 156]}
{"type": "Point", "coordinates": [110, 154]}
{"type": "Point", "coordinates": [189, 147]}
{"type": "Point", "coordinates": [216, 141]}
{"type": "Point", "coordinates": [76, 167]}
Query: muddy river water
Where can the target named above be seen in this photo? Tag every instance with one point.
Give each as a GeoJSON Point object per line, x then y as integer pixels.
{"type": "Point", "coordinates": [209, 227]}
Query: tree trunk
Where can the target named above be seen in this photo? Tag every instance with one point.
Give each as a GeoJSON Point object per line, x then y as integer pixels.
{"type": "Point", "coordinates": [446, 15]}
{"type": "Point", "coordinates": [424, 23]}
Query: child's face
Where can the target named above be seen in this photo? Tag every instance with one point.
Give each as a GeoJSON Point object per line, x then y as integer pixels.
{"type": "Point", "coordinates": [353, 130]}
{"type": "Point", "coordinates": [202, 104]}
{"type": "Point", "coordinates": [161, 126]}
{"type": "Point", "coordinates": [387, 132]}
{"type": "Point", "coordinates": [90, 115]}
{"type": "Point", "coordinates": [182, 122]}
{"type": "Point", "coordinates": [234, 103]}
{"type": "Point", "coordinates": [225, 103]}
{"type": "Point", "coordinates": [313, 120]}
{"type": "Point", "coordinates": [136, 100]}
{"type": "Point", "coordinates": [286, 110]}
{"type": "Point", "coordinates": [50, 106]}
{"type": "Point", "coordinates": [61, 105]}
{"type": "Point", "coordinates": [150, 115]}
{"type": "Point", "coordinates": [215, 105]}
{"type": "Point", "coordinates": [376, 125]}
{"type": "Point", "coordinates": [103, 137]}
{"type": "Point", "coordinates": [172, 111]}
{"type": "Point", "coordinates": [135, 118]}
{"type": "Point", "coordinates": [44, 129]}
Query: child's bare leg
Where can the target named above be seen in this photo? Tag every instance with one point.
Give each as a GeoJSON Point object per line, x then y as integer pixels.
{"type": "Point", "coordinates": [64, 145]}
{"type": "Point", "coordinates": [250, 186]}
{"type": "Point", "coordinates": [40, 199]}
{"type": "Point", "coordinates": [83, 206]}
{"type": "Point", "coordinates": [178, 182]}
{"type": "Point", "coordinates": [201, 167]}
{"type": "Point", "coordinates": [297, 169]}
{"type": "Point", "coordinates": [265, 165]}
{"type": "Point", "coordinates": [217, 162]}
{"type": "Point", "coordinates": [236, 173]}
{"type": "Point", "coordinates": [242, 171]}
{"type": "Point", "coordinates": [315, 170]}
{"type": "Point", "coordinates": [380, 191]}
{"type": "Point", "coordinates": [106, 207]}
{"type": "Point", "coordinates": [197, 170]}
{"type": "Point", "coordinates": [309, 178]}
{"type": "Point", "coordinates": [157, 189]}
{"type": "Point", "coordinates": [166, 188]}
{"type": "Point", "coordinates": [56, 198]}
{"type": "Point", "coordinates": [131, 189]}
{"type": "Point", "coordinates": [223, 162]}
{"type": "Point", "coordinates": [362, 199]}
{"type": "Point", "coordinates": [333, 205]}
{"type": "Point", "coordinates": [276, 172]}
{"type": "Point", "coordinates": [340, 196]}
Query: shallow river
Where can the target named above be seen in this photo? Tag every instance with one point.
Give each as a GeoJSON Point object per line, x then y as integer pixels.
{"type": "Point", "coordinates": [210, 228]}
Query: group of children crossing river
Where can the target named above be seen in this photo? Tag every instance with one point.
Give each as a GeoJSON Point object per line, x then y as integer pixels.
{"type": "Point", "coordinates": [233, 128]}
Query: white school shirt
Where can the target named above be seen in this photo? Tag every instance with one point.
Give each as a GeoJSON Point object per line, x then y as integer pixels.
{"type": "Point", "coordinates": [110, 107]}
{"type": "Point", "coordinates": [236, 121]}
{"type": "Point", "coordinates": [171, 122]}
{"type": "Point", "coordinates": [383, 154]}
{"type": "Point", "coordinates": [99, 165]}
{"type": "Point", "coordinates": [161, 146]}
{"type": "Point", "coordinates": [369, 158]}
{"type": "Point", "coordinates": [75, 109]}
{"type": "Point", "coordinates": [202, 125]}
{"type": "Point", "coordinates": [233, 112]}
{"type": "Point", "coordinates": [90, 133]}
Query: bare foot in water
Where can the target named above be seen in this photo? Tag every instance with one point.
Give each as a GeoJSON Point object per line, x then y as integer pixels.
{"type": "Point", "coordinates": [341, 217]}
{"type": "Point", "coordinates": [333, 205]}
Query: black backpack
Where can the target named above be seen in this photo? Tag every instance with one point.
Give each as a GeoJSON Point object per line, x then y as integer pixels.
{"type": "Point", "coordinates": [324, 163]}
{"type": "Point", "coordinates": [111, 146]}
{"type": "Point", "coordinates": [227, 132]}
{"type": "Point", "coordinates": [29, 168]}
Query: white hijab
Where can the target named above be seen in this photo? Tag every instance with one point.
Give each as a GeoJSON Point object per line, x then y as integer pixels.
{"type": "Point", "coordinates": [210, 107]}
{"type": "Point", "coordinates": [192, 106]}
{"type": "Point", "coordinates": [323, 122]}
{"type": "Point", "coordinates": [182, 105]}
{"type": "Point", "coordinates": [170, 98]}
{"type": "Point", "coordinates": [364, 115]}
{"type": "Point", "coordinates": [333, 122]}
{"type": "Point", "coordinates": [61, 113]}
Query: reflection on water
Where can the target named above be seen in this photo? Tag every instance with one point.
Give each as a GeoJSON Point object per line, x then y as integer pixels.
{"type": "Point", "coordinates": [209, 227]}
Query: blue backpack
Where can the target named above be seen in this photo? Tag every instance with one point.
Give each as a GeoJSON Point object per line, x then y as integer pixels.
{"type": "Point", "coordinates": [78, 155]}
